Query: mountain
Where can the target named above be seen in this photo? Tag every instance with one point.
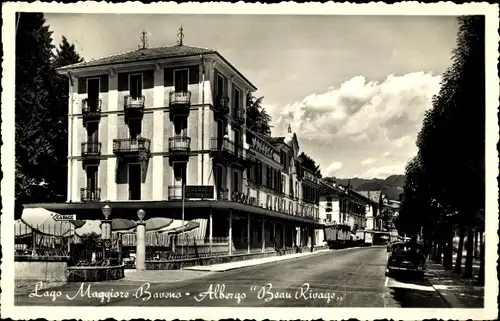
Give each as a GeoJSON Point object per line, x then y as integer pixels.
{"type": "Point", "coordinates": [392, 186]}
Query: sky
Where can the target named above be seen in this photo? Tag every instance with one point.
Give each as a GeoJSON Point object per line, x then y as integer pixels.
{"type": "Point", "coordinates": [353, 88]}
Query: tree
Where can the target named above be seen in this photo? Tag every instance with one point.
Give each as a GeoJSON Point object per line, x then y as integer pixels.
{"type": "Point", "coordinates": [41, 113]}
{"type": "Point", "coordinates": [66, 54]}
{"type": "Point", "coordinates": [451, 157]}
{"type": "Point", "coordinates": [258, 119]}
{"type": "Point", "coordinates": [310, 164]}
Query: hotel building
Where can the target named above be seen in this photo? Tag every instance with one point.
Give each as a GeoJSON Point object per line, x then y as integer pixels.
{"type": "Point", "coordinates": [145, 123]}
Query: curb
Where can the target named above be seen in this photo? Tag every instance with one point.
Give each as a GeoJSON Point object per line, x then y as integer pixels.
{"type": "Point", "coordinates": [283, 258]}
{"type": "Point", "coordinates": [448, 297]}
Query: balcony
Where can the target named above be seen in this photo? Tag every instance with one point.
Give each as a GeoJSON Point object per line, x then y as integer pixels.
{"type": "Point", "coordinates": [226, 151]}
{"type": "Point", "coordinates": [134, 106]}
{"type": "Point", "coordinates": [91, 109]}
{"type": "Point", "coordinates": [175, 192]}
{"type": "Point", "coordinates": [221, 106]}
{"type": "Point", "coordinates": [90, 194]}
{"type": "Point", "coordinates": [179, 148]}
{"type": "Point", "coordinates": [179, 102]}
{"type": "Point", "coordinates": [239, 116]}
{"type": "Point", "coordinates": [91, 149]}
{"type": "Point", "coordinates": [132, 147]}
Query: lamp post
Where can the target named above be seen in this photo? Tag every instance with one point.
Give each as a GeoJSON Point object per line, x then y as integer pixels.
{"type": "Point", "coordinates": [140, 256]}
{"type": "Point", "coordinates": [106, 230]}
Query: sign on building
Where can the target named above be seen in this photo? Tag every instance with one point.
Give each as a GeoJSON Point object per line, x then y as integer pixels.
{"type": "Point", "coordinates": [65, 217]}
{"type": "Point", "coordinates": [199, 191]}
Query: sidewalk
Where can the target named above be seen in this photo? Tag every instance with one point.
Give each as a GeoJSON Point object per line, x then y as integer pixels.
{"type": "Point", "coordinates": [455, 290]}
{"type": "Point", "coordinates": [246, 263]}
{"type": "Point", "coordinates": [195, 272]}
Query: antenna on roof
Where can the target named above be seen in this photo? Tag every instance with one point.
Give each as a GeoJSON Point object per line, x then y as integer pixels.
{"type": "Point", "coordinates": [144, 39]}
{"type": "Point", "coordinates": [181, 36]}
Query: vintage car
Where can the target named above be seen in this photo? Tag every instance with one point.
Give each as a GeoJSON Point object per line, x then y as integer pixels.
{"type": "Point", "coordinates": [406, 258]}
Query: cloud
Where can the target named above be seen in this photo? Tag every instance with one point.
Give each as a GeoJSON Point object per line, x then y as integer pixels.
{"type": "Point", "coordinates": [367, 161]}
{"type": "Point", "coordinates": [334, 167]}
{"type": "Point", "coordinates": [362, 119]}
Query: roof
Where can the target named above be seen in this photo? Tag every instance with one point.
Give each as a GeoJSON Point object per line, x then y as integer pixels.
{"type": "Point", "coordinates": [372, 195]}
{"type": "Point", "coordinates": [145, 54]}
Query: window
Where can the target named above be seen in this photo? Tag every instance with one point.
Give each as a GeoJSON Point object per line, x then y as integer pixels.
{"type": "Point", "coordinates": [219, 178]}
{"type": "Point", "coordinates": [236, 182]}
{"type": "Point", "coordinates": [92, 132]}
{"type": "Point", "coordinates": [236, 99]}
{"type": "Point", "coordinates": [221, 85]}
{"type": "Point", "coordinates": [134, 181]}
{"type": "Point", "coordinates": [92, 177]}
{"type": "Point", "coordinates": [283, 183]}
{"type": "Point", "coordinates": [180, 125]}
{"type": "Point", "coordinates": [181, 80]}
{"type": "Point", "coordinates": [93, 89]}
{"type": "Point", "coordinates": [135, 86]}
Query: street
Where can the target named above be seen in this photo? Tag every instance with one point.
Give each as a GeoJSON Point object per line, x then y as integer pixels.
{"type": "Point", "coordinates": [342, 278]}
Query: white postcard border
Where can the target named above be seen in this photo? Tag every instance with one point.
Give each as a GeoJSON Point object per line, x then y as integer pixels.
{"type": "Point", "coordinates": [492, 137]}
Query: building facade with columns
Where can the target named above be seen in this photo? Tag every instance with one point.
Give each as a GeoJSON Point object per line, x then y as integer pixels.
{"type": "Point", "coordinates": [145, 123]}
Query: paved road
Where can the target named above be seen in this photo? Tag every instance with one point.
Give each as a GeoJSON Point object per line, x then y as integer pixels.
{"type": "Point", "coordinates": [342, 278]}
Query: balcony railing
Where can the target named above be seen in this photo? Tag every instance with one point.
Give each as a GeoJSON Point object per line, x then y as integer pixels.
{"type": "Point", "coordinates": [222, 104]}
{"type": "Point", "coordinates": [133, 104]}
{"type": "Point", "coordinates": [275, 201]}
{"type": "Point", "coordinates": [90, 194]}
{"type": "Point", "coordinates": [131, 145]}
{"type": "Point", "coordinates": [226, 145]}
{"type": "Point", "coordinates": [239, 115]}
{"type": "Point", "coordinates": [179, 98]}
{"type": "Point", "coordinates": [90, 149]}
{"type": "Point", "coordinates": [178, 144]}
{"type": "Point", "coordinates": [175, 192]}
{"type": "Point", "coordinates": [91, 107]}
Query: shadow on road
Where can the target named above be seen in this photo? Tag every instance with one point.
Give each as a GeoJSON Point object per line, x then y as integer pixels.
{"type": "Point", "coordinates": [414, 291]}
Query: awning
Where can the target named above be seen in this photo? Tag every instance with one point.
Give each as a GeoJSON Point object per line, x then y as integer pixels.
{"type": "Point", "coordinates": [43, 222]}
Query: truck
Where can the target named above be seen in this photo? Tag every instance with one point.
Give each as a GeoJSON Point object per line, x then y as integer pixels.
{"type": "Point", "coordinates": [365, 237]}
{"type": "Point", "coordinates": [338, 235]}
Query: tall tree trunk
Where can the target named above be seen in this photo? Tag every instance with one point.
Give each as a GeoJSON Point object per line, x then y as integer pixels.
{"type": "Point", "coordinates": [470, 248]}
{"type": "Point", "coordinates": [448, 253]}
{"type": "Point", "coordinates": [458, 263]}
{"type": "Point", "coordinates": [477, 245]}
{"type": "Point", "coordinates": [482, 257]}
{"type": "Point", "coordinates": [439, 247]}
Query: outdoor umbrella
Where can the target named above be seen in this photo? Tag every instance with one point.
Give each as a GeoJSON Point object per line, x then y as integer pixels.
{"type": "Point", "coordinates": [90, 226]}
{"type": "Point", "coordinates": [122, 225]}
{"type": "Point", "coordinates": [42, 221]}
{"type": "Point", "coordinates": [171, 227]}
{"type": "Point", "coordinates": [189, 226]}
{"type": "Point", "coordinates": [155, 224]}
{"type": "Point", "coordinates": [21, 229]}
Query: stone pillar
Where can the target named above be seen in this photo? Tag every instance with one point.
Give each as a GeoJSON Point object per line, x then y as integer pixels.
{"type": "Point", "coordinates": [248, 232]}
{"type": "Point", "coordinates": [230, 233]}
{"type": "Point", "coordinates": [263, 236]}
{"type": "Point", "coordinates": [106, 229]}
{"type": "Point", "coordinates": [140, 252]}
{"type": "Point", "coordinates": [106, 237]}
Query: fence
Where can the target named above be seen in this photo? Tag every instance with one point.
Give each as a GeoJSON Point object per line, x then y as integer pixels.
{"type": "Point", "coordinates": [43, 240]}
